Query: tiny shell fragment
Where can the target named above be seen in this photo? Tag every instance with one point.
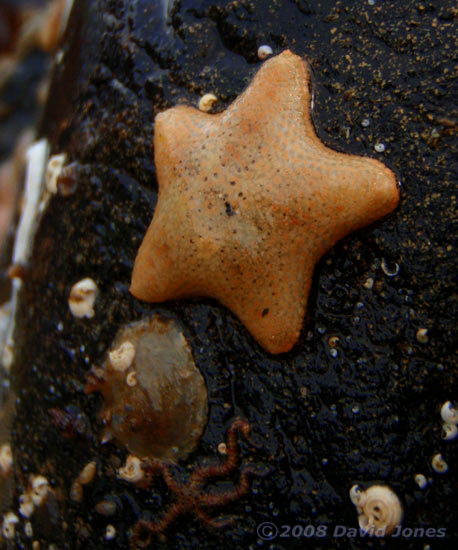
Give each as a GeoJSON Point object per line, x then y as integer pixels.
{"type": "Point", "coordinates": [421, 481]}
{"type": "Point", "coordinates": [39, 489]}
{"type": "Point", "coordinates": [422, 335]}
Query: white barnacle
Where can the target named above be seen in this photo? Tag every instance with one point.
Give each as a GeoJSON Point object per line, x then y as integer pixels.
{"type": "Point", "coordinates": [10, 520]}
{"type": "Point", "coordinates": [449, 414]}
{"type": "Point", "coordinates": [379, 509]}
{"type": "Point", "coordinates": [26, 505]}
{"type": "Point", "coordinates": [122, 357]}
{"type": "Point", "coordinates": [53, 169]}
{"type": "Point", "coordinates": [132, 470]}
{"type": "Point", "coordinates": [39, 489]}
{"type": "Point", "coordinates": [206, 102]}
{"type": "Point", "coordinates": [421, 481]}
{"type": "Point", "coordinates": [82, 298]}
{"type": "Point", "coordinates": [439, 465]}
{"type": "Point", "coordinates": [264, 52]}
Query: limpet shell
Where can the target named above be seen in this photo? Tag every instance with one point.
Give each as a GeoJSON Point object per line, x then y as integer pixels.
{"type": "Point", "coordinates": [163, 414]}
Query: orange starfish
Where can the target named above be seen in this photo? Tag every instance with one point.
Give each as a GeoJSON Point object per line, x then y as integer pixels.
{"type": "Point", "coordinates": [250, 199]}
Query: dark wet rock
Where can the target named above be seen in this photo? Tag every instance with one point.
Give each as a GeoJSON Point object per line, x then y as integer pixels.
{"type": "Point", "coordinates": [324, 417]}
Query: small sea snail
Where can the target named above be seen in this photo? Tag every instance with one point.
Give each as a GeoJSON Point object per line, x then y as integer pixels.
{"type": "Point", "coordinates": [421, 481]}
{"type": "Point", "coordinates": [155, 398]}
{"type": "Point", "coordinates": [449, 414]}
{"type": "Point", "coordinates": [439, 465]}
{"type": "Point", "coordinates": [379, 509]}
{"type": "Point", "coordinates": [206, 102]}
{"type": "Point", "coordinates": [449, 431]}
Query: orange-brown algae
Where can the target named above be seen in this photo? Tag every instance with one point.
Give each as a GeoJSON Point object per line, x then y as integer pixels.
{"type": "Point", "coordinates": [155, 398]}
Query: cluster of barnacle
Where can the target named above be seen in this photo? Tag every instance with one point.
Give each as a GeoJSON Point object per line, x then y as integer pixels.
{"type": "Point", "coordinates": [155, 403]}
{"type": "Point", "coordinates": [37, 494]}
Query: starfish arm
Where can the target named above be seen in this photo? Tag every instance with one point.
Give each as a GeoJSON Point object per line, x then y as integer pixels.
{"type": "Point", "coordinates": [271, 299]}
{"type": "Point", "coordinates": [158, 270]}
{"type": "Point", "coordinates": [362, 191]}
{"type": "Point", "coordinates": [175, 129]}
{"type": "Point", "coordinates": [367, 191]}
{"type": "Point", "coordinates": [279, 94]}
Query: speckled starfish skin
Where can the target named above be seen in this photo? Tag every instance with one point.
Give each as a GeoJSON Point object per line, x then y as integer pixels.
{"type": "Point", "coordinates": [249, 200]}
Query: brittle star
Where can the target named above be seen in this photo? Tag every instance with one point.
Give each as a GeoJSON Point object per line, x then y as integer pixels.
{"type": "Point", "coordinates": [190, 497]}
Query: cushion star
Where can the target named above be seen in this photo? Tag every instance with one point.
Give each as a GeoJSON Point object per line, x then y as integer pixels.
{"type": "Point", "coordinates": [250, 199]}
